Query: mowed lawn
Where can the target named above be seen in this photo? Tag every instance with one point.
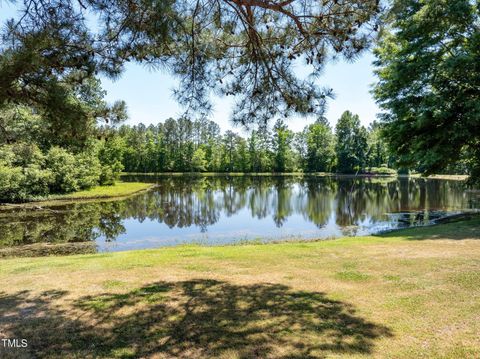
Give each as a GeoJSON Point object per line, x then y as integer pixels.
{"type": "Point", "coordinates": [408, 294]}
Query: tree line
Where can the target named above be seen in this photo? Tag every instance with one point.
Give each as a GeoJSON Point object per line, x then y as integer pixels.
{"type": "Point", "coordinates": [186, 145]}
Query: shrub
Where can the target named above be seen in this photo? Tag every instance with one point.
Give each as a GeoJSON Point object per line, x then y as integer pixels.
{"type": "Point", "coordinates": [63, 166]}
{"type": "Point", "coordinates": [110, 155]}
{"type": "Point", "coordinates": [25, 172]}
{"type": "Point", "coordinates": [26, 154]}
{"type": "Point", "coordinates": [21, 172]}
{"type": "Point", "coordinates": [37, 181]}
{"type": "Point", "coordinates": [11, 183]}
{"type": "Point", "coordinates": [89, 170]}
{"type": "Point", "coordinates": [381, 171]}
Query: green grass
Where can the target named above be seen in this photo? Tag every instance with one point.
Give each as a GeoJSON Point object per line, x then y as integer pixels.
{"type": "Point", "coordinates": [119, 189]}
{"type": "Point", "coordinates": [385, 171]}
{"type": "Point", "coordinates": [404, 294]}
{"type": "Point", "coordinates": [442, 177]}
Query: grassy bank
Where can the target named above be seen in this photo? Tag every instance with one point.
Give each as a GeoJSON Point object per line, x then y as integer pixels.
{"type": "Point", "coordinates": [118, 190]}
{"type": "Point", "coordinates": [406, 294]}
{"type": "Point", "coordinates": [443, 177]}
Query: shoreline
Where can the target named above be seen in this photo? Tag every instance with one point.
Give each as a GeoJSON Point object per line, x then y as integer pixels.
{"type": "Point", "coordinates": [119, 190]}
{"type": "Point", "coordinates": [293, 174]}
{"type": "Point", "coordinates": [69, 249]}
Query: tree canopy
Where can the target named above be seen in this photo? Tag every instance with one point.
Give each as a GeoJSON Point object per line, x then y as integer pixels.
{"type": "Point", "coordinates": [428, 64]}
{"type": "Point", "coordinates": [184, 145]}
{"type": "Point", "coordinates": [245, 48]}
{"type": "Point", "coordinates": [352, 146]}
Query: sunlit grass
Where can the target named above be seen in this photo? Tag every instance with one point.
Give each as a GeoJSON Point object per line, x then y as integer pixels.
{"type": "Point", "coordinates": [119, 189]}
{"type": "Point", "coordinates": [410, 293]}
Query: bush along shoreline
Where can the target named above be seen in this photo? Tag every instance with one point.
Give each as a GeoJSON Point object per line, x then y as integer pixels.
{"type": "Point", "coordinates": [28, 173]}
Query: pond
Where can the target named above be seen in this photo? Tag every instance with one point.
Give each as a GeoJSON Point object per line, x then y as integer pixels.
{"type": "Point", "coordinates": [225, 209]}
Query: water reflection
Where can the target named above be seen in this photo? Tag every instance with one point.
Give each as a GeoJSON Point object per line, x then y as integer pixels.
{"type": "Point", "coordinates": [227, 209]}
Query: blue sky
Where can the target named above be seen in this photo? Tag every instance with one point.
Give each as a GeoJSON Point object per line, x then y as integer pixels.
{"type": "Point", "coordinates": [149, 94]}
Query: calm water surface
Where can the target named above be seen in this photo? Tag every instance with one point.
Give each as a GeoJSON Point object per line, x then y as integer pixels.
{"type": "Point", "coordinates": [218, 210]}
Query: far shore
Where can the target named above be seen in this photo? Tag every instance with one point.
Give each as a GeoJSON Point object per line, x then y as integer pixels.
{"type": "Point", "coordinates": [316, 174]}
{"type": "Point", "coordinates": [117, 191]}
{"type": "Point", "coordinates": [124, 189]}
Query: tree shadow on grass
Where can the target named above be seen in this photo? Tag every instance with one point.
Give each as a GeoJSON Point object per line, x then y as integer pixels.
{"type": "Point", "coordinates": [190, 319]}
{"type": "Point", "coordinates": [468, 227]}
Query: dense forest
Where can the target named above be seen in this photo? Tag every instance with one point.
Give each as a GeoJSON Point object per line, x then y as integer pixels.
{"type": "Point", "coordinates": [184, 145]}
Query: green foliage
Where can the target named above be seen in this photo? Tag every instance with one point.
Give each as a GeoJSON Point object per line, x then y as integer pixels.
{"type": "Point", "coordinates": [381, 171]}
{"type": "Point", "coordinates": [111, 155]}
{"type": "Point", "coordinates": [351, 146]}
{"type": "Point", "coordinates": [25, 172]}
{"type": "Point", "coordinates": [247, 49]}
{"type": "Point", "coordinates": [259, 151]}
{"type": "Point", "coordinates": [19, 123]}
{"type": "Point", "coordinates": [320, 145]}
{"type": "Point", "coordinates": [428, 64]}
{"type": "Point", "coordinates": [89, 169]}
{"type": "Point", "coordinates": [199, 163]}
{"type": "Point", "coordinates": [11, 181]}
{"type": "Point", "coordinates": [378, 153]}
{"type": "Point", "coordinates": [22, 172]}
{"type": "Point", "coordinates": [36, 180]}
{"type": "Point", "coordinates": [49, 147]}
{"type": "Point", "coordinates": [64, 169]}
{"type": "Point", "coordinates": [184, 145]}
{"type": "Point", "coordinates": [282, 139]}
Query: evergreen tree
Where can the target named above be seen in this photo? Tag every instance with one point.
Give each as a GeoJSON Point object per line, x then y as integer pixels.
{"type": "Point", "coordinates": [243, 48]}
{"type": "Point", "coordinates": [428, 64]}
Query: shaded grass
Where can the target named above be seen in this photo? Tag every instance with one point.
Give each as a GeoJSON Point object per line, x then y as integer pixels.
{"type": "Point", "coordinates": [409, 293]}
{"type": "Point", "coordinates": [461, 229]}
{"type": "Point", "coordinates": [195, 318]}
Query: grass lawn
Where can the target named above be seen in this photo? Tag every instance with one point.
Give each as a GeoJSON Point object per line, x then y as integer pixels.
{"type": "Point", "coordinates": [407, 294]}
{"type": "Point", "coordinates": [118, 190]}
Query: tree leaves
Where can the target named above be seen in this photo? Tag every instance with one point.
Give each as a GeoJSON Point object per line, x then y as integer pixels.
{"type": "Point", "coordinates": [429, 83]}
{"type": "Point", "coordinates": [250, 45]}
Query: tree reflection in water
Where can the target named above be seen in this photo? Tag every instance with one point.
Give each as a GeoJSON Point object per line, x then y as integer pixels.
{"type": "Point", "coordinates": [202, 202]}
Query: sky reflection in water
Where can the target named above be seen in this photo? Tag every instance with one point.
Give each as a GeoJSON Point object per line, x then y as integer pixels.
{"type": "Point", "coordinates": [218, 210]}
